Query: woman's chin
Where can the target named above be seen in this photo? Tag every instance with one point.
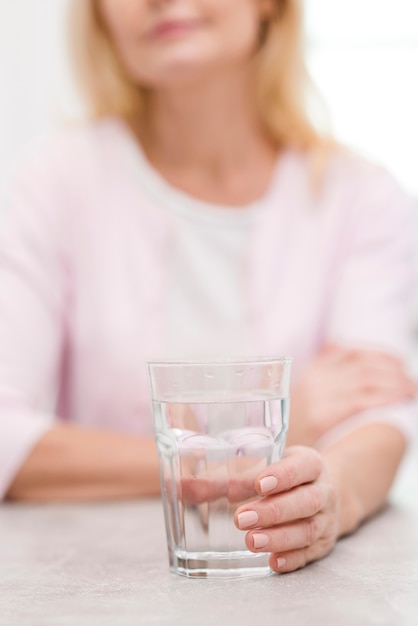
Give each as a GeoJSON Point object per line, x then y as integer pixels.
{"type": "Point", "coordinates": [182, 72]}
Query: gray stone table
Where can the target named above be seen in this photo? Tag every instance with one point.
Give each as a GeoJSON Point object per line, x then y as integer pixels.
{"type": "Point", "coordinates": [106, 564]}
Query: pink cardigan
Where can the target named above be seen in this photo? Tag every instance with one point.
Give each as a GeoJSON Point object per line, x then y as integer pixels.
{"type": "Point", "coordinates": [84, 253]}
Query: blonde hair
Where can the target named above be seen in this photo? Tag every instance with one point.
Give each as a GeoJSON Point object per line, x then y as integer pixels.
{"type": "Point", "coordinates": [283, 85]}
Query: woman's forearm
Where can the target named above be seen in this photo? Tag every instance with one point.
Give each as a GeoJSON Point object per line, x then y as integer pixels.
{"type": "Point", "coordinates": [70, 463]}
{"type": "Point", "coordinates": [364, 465]}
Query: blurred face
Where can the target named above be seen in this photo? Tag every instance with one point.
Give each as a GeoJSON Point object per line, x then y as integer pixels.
{"type": "Point", "coordinates": [166, 42]}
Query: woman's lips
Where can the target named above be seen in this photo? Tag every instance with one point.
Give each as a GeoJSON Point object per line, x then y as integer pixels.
{"type": "Point", "coordinates": [173, 28]}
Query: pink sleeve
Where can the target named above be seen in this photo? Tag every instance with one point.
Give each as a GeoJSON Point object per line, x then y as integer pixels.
{"type": "Point", "coordinates": [31, 316]}
{"type": "Point", "coordinates": [374, 293]}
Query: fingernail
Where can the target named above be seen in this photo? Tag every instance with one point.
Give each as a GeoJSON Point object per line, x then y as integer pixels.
{"type": "Point", "coordinates": [247, 519]}
{"type": "Point", "coordinates": [260, 540]}
{"type": "Point", "coordinates": [268, 484]}
{"type": "Point", "coordinates": [281, 562]}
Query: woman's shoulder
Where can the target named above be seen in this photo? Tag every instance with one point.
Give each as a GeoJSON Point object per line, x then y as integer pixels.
{"type": "Point", "coordinates": [61, 172]}
{"type": "Point", "coordinates": [344, 188]}
{"type": "Point", "coordinates": [335, 169]}
{"type": "Point", "coordinates": [357, 176]}
{"type": "Point", "coordinates": [71, 151]}
{"type": "Point", "coordinates": [338, 165]}
{"type": "Point", "coordinates": [366, 193]}
{"type": "Point", "coordinates": [339, 180]}
{"type": "Point", "coordinates": [92, 136]}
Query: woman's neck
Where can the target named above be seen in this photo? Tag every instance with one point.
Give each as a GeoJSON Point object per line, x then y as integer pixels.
{"type": "Point", "coordinates": [209, 141]}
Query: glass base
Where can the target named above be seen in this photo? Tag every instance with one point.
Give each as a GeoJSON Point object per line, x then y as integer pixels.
{"type": "Point", "coordinates": [240, 564]}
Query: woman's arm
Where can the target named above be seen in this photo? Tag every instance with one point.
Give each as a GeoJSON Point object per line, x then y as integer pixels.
{"type": "Point", "coordinates": [341, 383]}
{"type": "Point", "coordinates": [34, 297]}
{"type": "Point", "coordinates": [70, 463]}
{"type": "Point", "coordinates": [312, 499]}
{"type": "Point", "coordinates": [41, 458]}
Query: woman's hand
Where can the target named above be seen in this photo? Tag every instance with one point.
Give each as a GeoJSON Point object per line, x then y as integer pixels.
{"type": "Point", "coordinates": [341, 382]}
{"type": "Point", "coordinates": [298, 519]}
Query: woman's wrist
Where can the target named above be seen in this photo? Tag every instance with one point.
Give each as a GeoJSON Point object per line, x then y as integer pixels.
{"type": "Point", "coordinates": [350, 510]}
{"type": "Point", "coordinates": [364, 464]}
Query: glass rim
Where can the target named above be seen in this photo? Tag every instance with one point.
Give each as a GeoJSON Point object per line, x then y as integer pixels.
{"type": "Point", "coordinates": [262, 360]}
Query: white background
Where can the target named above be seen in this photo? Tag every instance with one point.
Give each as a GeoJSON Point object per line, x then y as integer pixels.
{"type": "Point", "coordinates": [363, 55]}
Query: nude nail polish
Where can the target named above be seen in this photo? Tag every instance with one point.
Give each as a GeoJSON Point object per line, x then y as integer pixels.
{"type": "Point", "coordinates": [247, 519]}
{"type": "Point", "coordinates": [268, 484]}
{"type": "Point", "coordinates": [260, 540]}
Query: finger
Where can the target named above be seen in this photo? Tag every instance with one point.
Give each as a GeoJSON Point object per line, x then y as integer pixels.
{"type": "Point", "coordinates": [385, 368]}
{"type": "Point", "coordinates": [300, 534]}
{"type": "Point", "coordinates": [241, 489]}
{"type": "Point", "coordinates": [299, 503]}
{"type": "Point", "coordinates": [290, 561]}
{"type": "Point", "coordinates": [184, 414]}
{"type": "Point", "coordinates": [375, 357]}
{"type": "Point", "coordinates": [400, 386]}
{"type": "Point", "coordinates": [197, 490]}
{"type": "Point", "coordinates": [391, 391]}
{"type": "Point", "coordinates": [299, 465]}
{"type": "Point", "coordinates": [382, 377]}
{"type": "Point", "coordinates": [369, 388]}
{"type": "Point", "coordinates": [376, 398]}
{"type": "Point", "coordinates": [378, 361]}
{"type": "Point", "coordinates": [340, 352]}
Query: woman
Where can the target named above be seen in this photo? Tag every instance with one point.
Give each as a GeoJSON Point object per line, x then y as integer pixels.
{"type": "Point", "coordinates": [200, 213]}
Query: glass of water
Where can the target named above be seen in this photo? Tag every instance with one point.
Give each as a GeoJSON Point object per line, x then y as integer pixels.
{"type": "Point", "coordinates": [217, 425]}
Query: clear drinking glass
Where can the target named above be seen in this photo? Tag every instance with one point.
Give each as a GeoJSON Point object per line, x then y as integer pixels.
{"type": "Point", "coordinates": [217, 425]}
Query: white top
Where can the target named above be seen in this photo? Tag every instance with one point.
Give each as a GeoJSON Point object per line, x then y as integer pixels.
{"type": "Point", "coordinates": [206, 298]}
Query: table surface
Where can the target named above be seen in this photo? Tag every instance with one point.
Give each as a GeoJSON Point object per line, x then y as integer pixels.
{"type": "Point", "coordinates": [107, 564]}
